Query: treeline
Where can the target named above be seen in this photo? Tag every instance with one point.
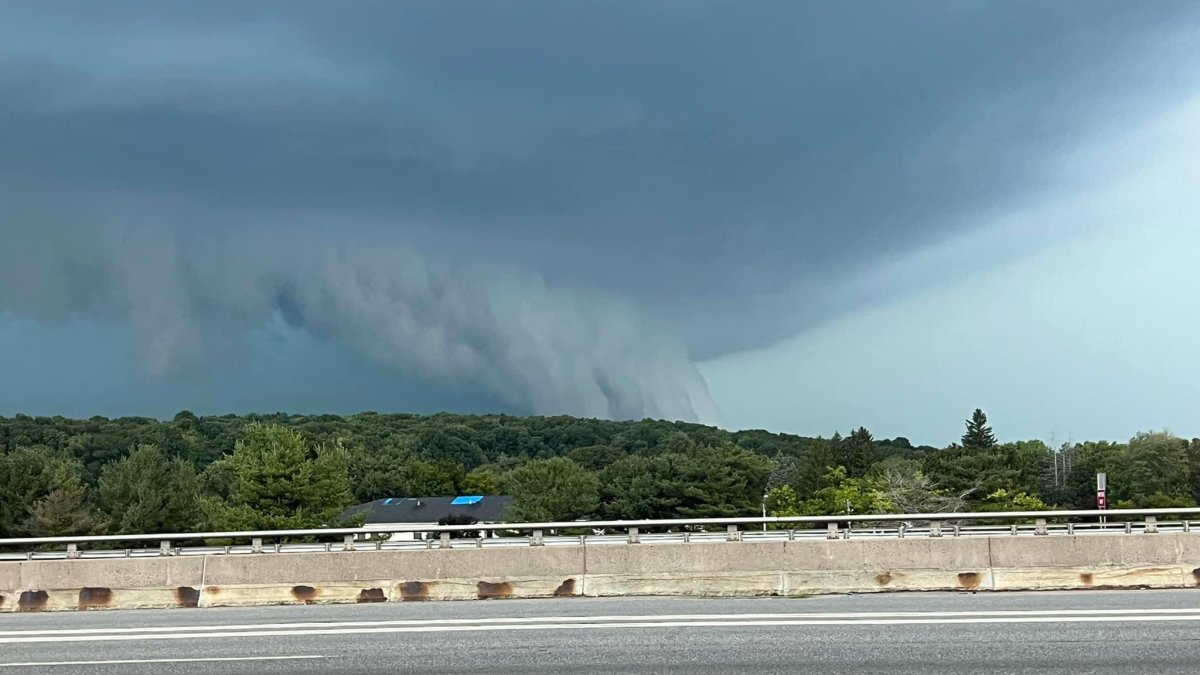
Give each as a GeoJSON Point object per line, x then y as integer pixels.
{"type": "Point", "coordinates": [61, 476]}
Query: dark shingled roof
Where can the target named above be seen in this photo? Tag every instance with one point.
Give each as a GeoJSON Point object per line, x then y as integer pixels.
{"type": "Point", "coordinates": [431, 509]}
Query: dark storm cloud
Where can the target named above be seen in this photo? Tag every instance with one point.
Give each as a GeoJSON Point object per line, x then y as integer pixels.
{"type": "Point", "coordinates": [696, 157]}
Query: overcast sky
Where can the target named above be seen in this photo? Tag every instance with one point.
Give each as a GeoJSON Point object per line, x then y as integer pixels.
{"type": "Point", "coordinates": [797, 216]}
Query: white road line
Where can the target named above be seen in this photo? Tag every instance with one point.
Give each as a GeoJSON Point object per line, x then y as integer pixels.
{"type": "Point", "coordinates": [116, 662]}
{"type": "Point", "coordinates": [600, 619]}
{"type": "Point", "coordinates": [599, 626]}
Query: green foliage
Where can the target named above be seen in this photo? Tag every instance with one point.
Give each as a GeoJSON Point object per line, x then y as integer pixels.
{"type": "Point", "coordinates": [551, 490]}
{"type": "Point", "coordinates": [979, 436]}
{"type": "Point", "coordinates": [785, 470]}
{"type": "Point", "coordinates": [280, 482]}
{"type": "Point", "coordinates": [857, 452]}
{"type": "Point", "coordinates": [149, 492]}
{"type": "Point", "coordinates": [846, 495]}
{"type": "Point", "coordinates": [64, 511]}
{"type": "Point", "coordinates": [814, 465]}
{"type": "Point", "coordinates": [1005, 500]}
{"type": "Point", "coordinates": [781, 502]}
{"type": "Point", "coordinates": [28, 477]}
{"type": "Point", "coordinates": [481, 481]}
{"type": "Point", "coordinates": [1156, 463]}
{"type": "Point", "coordinates": [128, 474]}
{"type": "Point", "coordinates": [706, 482]}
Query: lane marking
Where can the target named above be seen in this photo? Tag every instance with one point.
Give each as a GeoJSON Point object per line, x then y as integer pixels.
{"type": "Point", "coordinates": [232, 628]}
{"type": "Point", "coordinates": [599, 626]}
{"type": "Point", "coordinates": [114, 662]}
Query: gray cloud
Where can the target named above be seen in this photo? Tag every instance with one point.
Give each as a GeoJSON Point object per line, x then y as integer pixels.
{"type": "Point", "coordinates": [192, 298]}
{"type": "Point", "coordinates": [724, 168]}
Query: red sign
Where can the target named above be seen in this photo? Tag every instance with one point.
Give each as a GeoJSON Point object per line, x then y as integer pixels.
{"type": "Point", "coordinates": [1101, 501]}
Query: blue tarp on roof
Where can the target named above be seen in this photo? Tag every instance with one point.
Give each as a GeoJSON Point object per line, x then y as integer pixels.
{"type": "Point", "coordinates": [461, 501]}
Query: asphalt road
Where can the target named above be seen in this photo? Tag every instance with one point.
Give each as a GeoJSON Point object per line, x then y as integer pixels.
{"type": "Point", "coordinates": [1080, 632]}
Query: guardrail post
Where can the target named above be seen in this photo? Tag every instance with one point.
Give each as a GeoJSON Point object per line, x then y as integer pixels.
{"type": "Point", "coordinates": [536, 539]}
{"type": "Point", "coordinates": [1151, 525]}
{"type": "Point", "coordinates": [935, 528]}
{"type": "Point", "coordinates": [1039, 526]}
{"type": "Point", "coordinates": [348, 542]}
{"type": "Point", "coordinates": [1187, 526]}
{"type": "Point", "coordinates": [72, 551]}
{"type": "Point", "coordinates": [633, 536]}
{"type": "Point", "coordinates": [732, 533]}
{"type": "Point", "coordinates": [444, 540]}
{"type": "Point", "coordinates": [832, 531]}
{"type": "Point", "coordinates": [164, 547]}
{"type": "Point", "coordinates": [1070, 528]}
{"type": "Point", "coordinates": [256, 545]}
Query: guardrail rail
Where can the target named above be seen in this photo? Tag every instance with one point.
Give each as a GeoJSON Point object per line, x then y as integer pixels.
{"type": "Point", "coordinates": [1035, 523]}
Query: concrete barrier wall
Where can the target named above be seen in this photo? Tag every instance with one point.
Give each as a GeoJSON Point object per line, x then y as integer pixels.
{"type": "Point", "coordinates": [702, 569]}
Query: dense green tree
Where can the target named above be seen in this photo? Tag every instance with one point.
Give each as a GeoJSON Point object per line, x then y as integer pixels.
{"type": "Point", "coordinates": [595, 457]}
{"type": "Point", "coordinates": [722, 481]}
{"type": "Point", "coordinates": [421, 478]}
{"type": "Point", "coordinates": [639, 488]}
{"type": "Point", "coordinates": [847, 495]}
{"type": "Point", "coordinates": [979, 436]}
{"type": "Point", "coordinates": [29, 475]}
{"type": "Point", "coordinates": [1194, 469]}
{"type": "Point", "coordinates": [1006, 500]}
{"type": "Point", "coordinates": [148, 492]}
{"type": "Point", "coordinates": [63, 512]}
{"type": "Point", "coordinates": [785, 470]}
{"type": "Point", "coordinates": [280, 482]}
{"type": "Point", "coordinates": [814, 466]}
{"type": "Point", "coordinates": [857, 452]}
{"type": "Point", "coordinates": [781, 502]}
{"type": "Point", "coordinates": [454, 443]}
{"type": "Point", "coordinates": [377, 473]}
{"type": "Point", "coordinates": [1155, 463]}
{"type": "Point", "coordinates": [546, 490]}
{"type": "Point", "coordinates": [645, 469]}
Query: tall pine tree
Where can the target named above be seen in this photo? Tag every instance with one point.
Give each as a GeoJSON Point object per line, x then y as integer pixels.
{"type": "Point", "coordinates": [979, 435]}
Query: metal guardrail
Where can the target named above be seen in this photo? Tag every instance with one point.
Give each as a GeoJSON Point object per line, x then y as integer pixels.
{"type": "Point", "coordinates": [836, 527]}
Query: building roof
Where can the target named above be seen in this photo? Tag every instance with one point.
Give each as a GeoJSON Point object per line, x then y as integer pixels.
{"type": "Point", "coordinates": [490, 509]}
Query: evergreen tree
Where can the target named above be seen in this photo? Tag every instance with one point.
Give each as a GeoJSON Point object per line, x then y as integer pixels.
{"type": "Point", "coordinates": [279, 482]}
{"type": "Point", "coordinates": [815, 465]}
{"type": "Point", "coordinates": [785, 470]}
{"type": "Point", "coordinates": [979, 435]}
{"type": "Point", "coordinates": [64, 512]}
{"type": "Point", "coordinates": [148, 492]}
{"type": "Point", "coordinates": [857, 452]}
